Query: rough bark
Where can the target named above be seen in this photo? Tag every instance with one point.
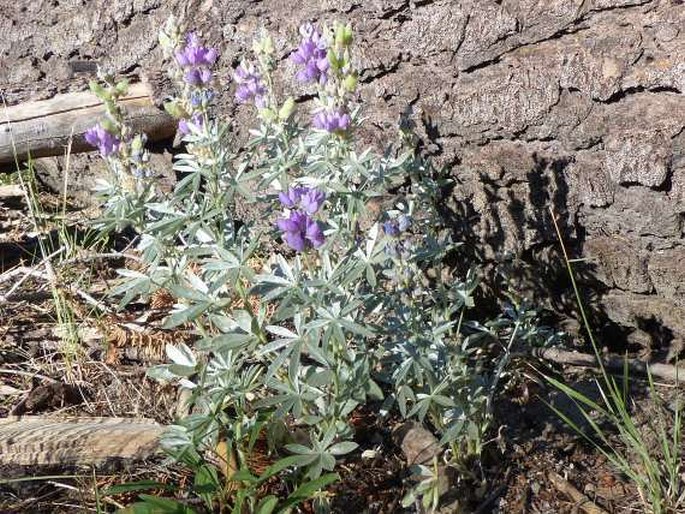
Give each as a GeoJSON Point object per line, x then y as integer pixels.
{"type": "Point", "coordinates": [574, 104]}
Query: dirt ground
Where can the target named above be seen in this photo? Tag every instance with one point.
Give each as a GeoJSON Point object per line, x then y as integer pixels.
{"type": "Point", "coordinates": [104, 376]}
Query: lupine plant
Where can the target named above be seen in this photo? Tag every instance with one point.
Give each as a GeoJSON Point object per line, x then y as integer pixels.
{"type": "Point", "coordinates": [332, 304]}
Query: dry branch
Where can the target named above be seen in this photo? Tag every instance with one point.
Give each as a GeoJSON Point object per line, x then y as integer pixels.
{"type": "Point", "coordinates": [582, 501]}
{"type": "Point", "coordinates": [661, 371]}
{"type": "Point", "coordinates": [44, 128]}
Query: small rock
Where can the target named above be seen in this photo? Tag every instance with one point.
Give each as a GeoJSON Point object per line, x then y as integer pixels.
{"type": "Point", "coordinates": [418, 444]}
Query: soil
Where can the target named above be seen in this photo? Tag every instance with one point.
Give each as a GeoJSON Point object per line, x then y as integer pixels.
{"type": "Point", "coordinates": [105, 377]}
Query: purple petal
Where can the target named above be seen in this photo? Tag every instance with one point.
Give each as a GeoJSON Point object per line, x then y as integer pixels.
{"type": "Point", "coordinates": [286, 201]}
{"type": "Point", "coordinates": [295, 240]}
{"type": "Point", "coordinates": [314, 234]}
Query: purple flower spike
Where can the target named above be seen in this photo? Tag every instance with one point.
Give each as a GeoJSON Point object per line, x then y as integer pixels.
{"type": "Point", "coordinates": [391, 229]}
{"type": "Point", "coordinates": [312, 55]}
{"type": "Point", "coordinates": [194, 54]}
{"type": "Point", "coordinates": [198, 76]}
{"type": "Point", "coordinates": [300, 231]}
{"type": "Point", "coordinates": [334, 120]}
{"type": "Point", "coordinates": [313, 233]}
{"type": "Point", "coordinates": [196, 60]}
{"type": "Point", "coordinates": [105, 142]}
{"type": "Point", "coordinates": [250, 86]}
{"type": "Point", "coordinates": [404, 223]}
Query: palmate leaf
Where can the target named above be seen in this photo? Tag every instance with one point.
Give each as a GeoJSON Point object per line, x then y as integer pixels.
{"type": "Point", "coordinates": [308, 489]}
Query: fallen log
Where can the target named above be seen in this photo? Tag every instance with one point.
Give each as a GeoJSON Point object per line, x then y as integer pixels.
{"type": "Point", "coordinates": [47, 440]}
{"type": "Point", "coordinates": [44, 128]}
{"type": "Point", "coordinates": [666, 372]}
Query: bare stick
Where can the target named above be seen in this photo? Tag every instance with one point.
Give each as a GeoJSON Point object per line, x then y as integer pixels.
{"type": "Point", "coordinates": [582, 501]}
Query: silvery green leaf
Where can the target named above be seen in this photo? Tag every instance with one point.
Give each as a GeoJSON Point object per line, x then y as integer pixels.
{"type": "Point", "coordinates": [189, 293]}
{"type": "Point", "coordinates": [343, 448]}
{"type": "Point", "coordinates": [281, 331]}
{"type": "Point", "coordinates": [226, 342]}
{"type": "Point", "coordinates": [161, 372]}
{"type": "Point", "coordinates": [244, 320]}
{"type": "Point", "coordinates": [182, 371]}
{"type": "Point", "coordinates": [184, 314]}
{"type": "Point", "coordinates": [181, 354]}
{"type": "Point", "coordinates": [184, 382]}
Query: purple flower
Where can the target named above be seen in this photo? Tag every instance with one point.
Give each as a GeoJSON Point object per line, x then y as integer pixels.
{"type": "Point", "coordinates": [184, 124]}
{"type": "Point", "coordinates": [312, 55]}
{"type": "Point", "coordinates": [201, 96]}
{"type": "Point", "coordinates": [194, 54]}
{"type": "Point", "coordinates": [196, 60]}
{"type": "Point", "coordinates": [312, 199]}
{"type": "Point", "coordinates": [390, 228]}
{"type": "Point", "coordinates": [250, 86]}
{"type": "Point", "coordinates": [198, 76]}
{"type": "Point", "coordinates": [308, 198]}
{"type": "Point", "coordinates": [331, 120]}
{"type": "Point", "coordinates": [291, 198]}
{"type": "Point", "coordinates": [106, 142]}
{"type": "Point", "coordinates": [300, 231]}
{"type": "Point", "coordinates": [404, 222]}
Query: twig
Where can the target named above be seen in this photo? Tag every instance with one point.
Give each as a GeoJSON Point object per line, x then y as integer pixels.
{"type": "Point", "coordinates": [32, 272]}
{"type": "Point", "coordinates": [26, 374]}
{"type": "Point", "coordinates": [96, 256]}
{"type": "Point", "coordinates": [661, 371]}
{"type": "Point", "coordinates": [582, 501]}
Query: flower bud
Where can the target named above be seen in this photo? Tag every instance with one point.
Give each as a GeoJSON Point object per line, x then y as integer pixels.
{"type": "Point", "coordinates": [350, 82]}
{"type": "Point", "coordinates": [109, 126]}
{"type": "Point", "coordinates": [343, 35]}
{"type": "Point", "coordinates": [122, 87]}
{"type": "Point", "coordinates": [333, 60]}
{"type": "Point", "coordinates": [98, 90]}
{"type": "Point", "coordinates": [263, 46]}
{"type": "Point", "coordinates": [175, 109]}
{"type": "Point", "coordinates": [286, 109]}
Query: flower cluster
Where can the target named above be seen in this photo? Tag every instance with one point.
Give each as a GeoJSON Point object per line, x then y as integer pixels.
{"type": "Point", "coordinates": [394, 227]}
{"type": "Point", "coordinates": [299, 229]}
{"type": "Point", "coordinates": [308, 198]}
{"type": "Point", "coordinates": [250, 86]}
{"type": "Point", "coordinates": [331, 120]}
{"type": "Point", "coordinates": [185, 125]}
{"type": "Point", "coordinates": [196, 61]}
{"type": "Point", "coordinates": [312, 54]}
{"type": "Point", "coordinates": [106, 142]}
{"type": "Point", "coordinates": [397, 247]}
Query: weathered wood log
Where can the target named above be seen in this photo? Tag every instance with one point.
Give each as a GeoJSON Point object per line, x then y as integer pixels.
{"type": "Point", "coordinates": [46, 440]}
{"type": "Point", "coordinates": [660, 371]}
{"type": "Point", "coordinates": [44, 128]}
